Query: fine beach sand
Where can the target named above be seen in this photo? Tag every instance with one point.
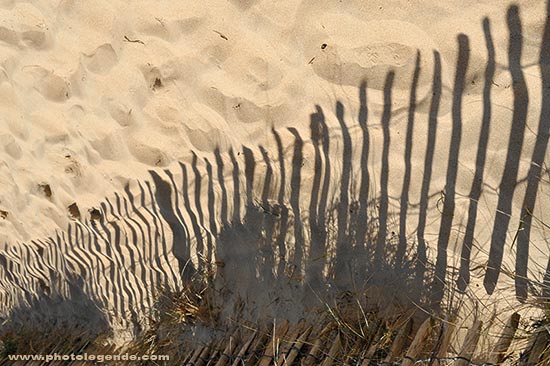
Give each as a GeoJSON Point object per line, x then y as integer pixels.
{"type": "Point", "coordinates": [96, 95]}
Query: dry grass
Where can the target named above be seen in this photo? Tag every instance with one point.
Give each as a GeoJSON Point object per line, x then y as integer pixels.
{"type": "Point", "coordinates": [174, 318]}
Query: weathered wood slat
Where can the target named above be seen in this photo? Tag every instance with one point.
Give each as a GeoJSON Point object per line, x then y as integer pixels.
{"type": "Point", "coordinates": [273, 344]}
{"type": "Point", "coordinates": [195, 356]}
{"type": "Point", "coordinates": [539, 346]}
{"type": "Point", "coordinates": [443, 342]}
{"type": "Point", "coordinates": [373, 336]}
{"type": "Point", "coordinates": [288, 341]}
{"type": "Point", "coordinates": [204, 355]}
{"type": "Point", "coordinates": [214, 352]}
{"type": "Point", "coordinates": [257, 348]}
{"type": "Point", "coordinates": [374, 344]}
{"type": "Point", "coordinates": [335, 348]}
{"type": "Point", "coordinates": [187, 358]}
{"type": "Point", "coordinates": [470, 344]}
{"type": "Point", "coordinates": [214, 356]}
{"type": "Point", "coordinates": [398, 345]}
{"type": "Point", "coordinates": [502, 345]}
{"type": "Point", "coordinates": [418, 342]}
{"type": "Point", "coordinates": [229, 349]}
{"type": "Point", "coordinates": [317, 347]}
{"type": "Point", "coordinates": [448, 332]}
{"type": "Point", "coordinates": [238, 360]}
{"type": "Point", "coordinates": [298, 346]}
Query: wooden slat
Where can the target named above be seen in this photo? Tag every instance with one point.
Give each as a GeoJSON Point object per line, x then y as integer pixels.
{"type": "Point", "coordinates": [502, 345]}
{"type": "Point", "coordinates": [398, 345]}
{"type": "Point", "coordinates": [195, 356]}
{"type": "Point", "coordinates": [213, 358]}
{"type": "Point", "coordinates": [335, 348]}
{"type": "Point", "coordinates": [448, 332]}
{"type": "Point", "coordinates": [373, 335]}
{"type": "Point", "coordinates": [257, 348]}
{"type": "Point", "coordinates": [470, 344]}
{"type": "Point", "coordinates": [540, 345]}
{"type": "Point", "coordinates": [203, 357]}
{"type": "Point", "coordinates": [239, 359]}
{"type": "Point", "coordinates": [298, 346]}
{"type": "Point", "coordinates": [273, 344]}
{"type": "Point", "coordinates": [214, 352]}
{"type": "Point", "coordinates": [375, 343]}
{"type": "Point", "coordinates": [524, 356]}
{"type": "Point", "coordinates": [187, 358]}
{"type": "Point", "coordinates": [229, 349]}
{"type": "Point", "coordinates": [317, 347]}
{"type": "Point", "coordinates": [288, 341]}
{"type": "Point", "coordinates": [444, 341]}
{"type": "Point", "coordinates": [418, 342]}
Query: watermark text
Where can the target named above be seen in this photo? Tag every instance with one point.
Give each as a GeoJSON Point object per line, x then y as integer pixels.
{"type": "Point", "coordinates": [88, 357]}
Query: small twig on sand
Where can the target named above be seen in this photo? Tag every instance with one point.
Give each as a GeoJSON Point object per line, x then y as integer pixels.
{"type": "Point", "coordinates": [133, 40]}
{"type": "Point", "coordinates": [221, 35]}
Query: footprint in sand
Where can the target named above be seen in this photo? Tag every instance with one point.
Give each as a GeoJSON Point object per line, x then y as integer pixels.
{"type": "Point", "coordinates": [50, 85]}
{"type": "Point", "coordinates": [120, 112]}
{"type": "Point", "coordinates": [147, 154]}
{"type": "Point", "coordinates": [9, 36]}
{"type": "Point", "coordinates": [101, 60]}
{"type": "Point", "coordinates": [11, 146]}
{"type": "Point", "coordinates": [25, 24]}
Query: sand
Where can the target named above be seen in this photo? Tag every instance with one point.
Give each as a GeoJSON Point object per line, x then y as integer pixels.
{"type": "Point", "coordinates": [95, 96]}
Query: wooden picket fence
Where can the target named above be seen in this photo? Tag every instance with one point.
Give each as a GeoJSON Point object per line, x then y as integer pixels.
{"type": "Point", "coordinates": [428, 343]}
